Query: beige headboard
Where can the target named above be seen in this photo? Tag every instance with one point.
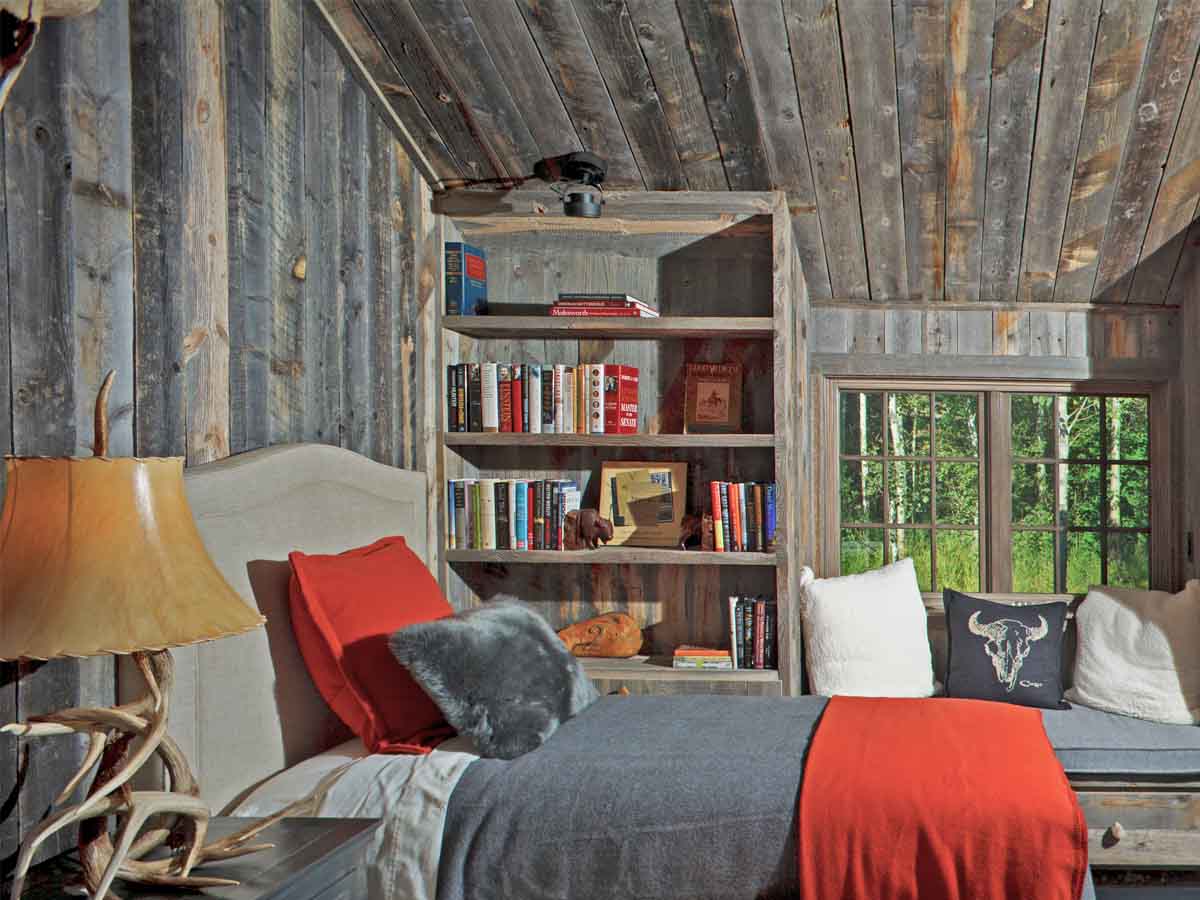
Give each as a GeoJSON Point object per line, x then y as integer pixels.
{"type": "Point", "coordinates": [244, 707]}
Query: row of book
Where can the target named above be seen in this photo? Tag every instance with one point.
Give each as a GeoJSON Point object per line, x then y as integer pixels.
{"type": "Point", "coordinates": [752, 640]}
{"type": "Point", "coordinates": [588, 398]}
{"type": "Point", "coordinates": [602, 305]}
{"type": "Point", "coordinates": [490, 514]}
{"type": "Point", "coordinates": [744, 516]}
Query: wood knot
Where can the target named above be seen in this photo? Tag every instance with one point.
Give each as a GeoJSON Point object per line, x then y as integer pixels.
{"type": "Point", "coordinates": [300, 268]}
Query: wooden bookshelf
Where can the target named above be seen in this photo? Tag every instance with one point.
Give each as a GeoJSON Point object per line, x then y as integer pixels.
{"type": "Point", "coordinates": [508, 439]}
{"type": "Point", "coordinates": [625, 556]}
{"type": "Point", "coordinates": [734, 254]}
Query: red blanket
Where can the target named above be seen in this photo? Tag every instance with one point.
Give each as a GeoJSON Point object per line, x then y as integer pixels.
{"type": "Point", "coordinates": [938, 799]}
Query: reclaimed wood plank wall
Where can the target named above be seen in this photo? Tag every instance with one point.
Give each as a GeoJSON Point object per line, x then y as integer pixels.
{"type": "Point", "coordinates": [226, 221]}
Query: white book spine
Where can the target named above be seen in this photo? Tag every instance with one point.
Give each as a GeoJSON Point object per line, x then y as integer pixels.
{"type": "Point", "coordinates": [560, 376]}
{"type": "Point", "coordinates": [535, 399]}
{"type": "Point", "coordinates": [489, 393]}
{"type": "Point", "coordinates": [734, 625]}
{"type": "Point", "coordinates": [595, 399]}
{"type": "Point", "coordinates": [512, 515]}
{"type": "Point", "coordinates": [568, 401]}
{"type": "Point", "coordinates": [487, 513]}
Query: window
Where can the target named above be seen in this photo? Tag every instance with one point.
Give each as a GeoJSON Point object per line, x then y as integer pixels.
{"type": "Point", "coordinates": [1006, 491]}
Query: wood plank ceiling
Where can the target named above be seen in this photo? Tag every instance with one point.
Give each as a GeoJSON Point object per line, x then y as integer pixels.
{"type": "Point", "coordinates": [962, 150]}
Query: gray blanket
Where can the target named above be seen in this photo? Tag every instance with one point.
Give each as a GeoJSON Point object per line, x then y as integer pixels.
{"type": "Point", "coordinates": [639, 797]}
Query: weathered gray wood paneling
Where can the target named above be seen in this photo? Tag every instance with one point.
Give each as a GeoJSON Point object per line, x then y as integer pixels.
{"type": "Point", "coordinates": [1070, 39]}
{"type": "Point", "coordinates": [968, 81]}
{"type": "Point", "coordinates": [116, 210]}
{"type": "Point", "coordinates": [920, 29]}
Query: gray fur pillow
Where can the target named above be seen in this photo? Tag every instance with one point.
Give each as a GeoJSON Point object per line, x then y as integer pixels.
{"type": "Point", "coordinates": [498, 674]}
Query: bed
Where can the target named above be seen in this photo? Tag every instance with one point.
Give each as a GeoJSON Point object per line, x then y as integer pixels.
{"type": "Point", "coordinates": [609, 807]}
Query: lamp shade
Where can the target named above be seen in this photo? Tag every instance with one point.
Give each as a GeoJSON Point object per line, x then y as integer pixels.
{"type": "Point", "coordinates": [101, 556]}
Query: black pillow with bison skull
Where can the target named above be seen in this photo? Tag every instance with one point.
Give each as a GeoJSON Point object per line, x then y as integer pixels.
{"type": "Point", "coordinates": [1013, 654]}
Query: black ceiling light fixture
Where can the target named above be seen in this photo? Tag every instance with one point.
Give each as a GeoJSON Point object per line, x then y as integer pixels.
{"type": "Point", "coordinates": [575, 177]}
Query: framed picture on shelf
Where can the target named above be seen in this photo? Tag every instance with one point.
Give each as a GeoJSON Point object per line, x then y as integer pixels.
{"type": "Point", "coordinates": [712, 398]}
{"type": "Point", "coordinates": [645, 502]}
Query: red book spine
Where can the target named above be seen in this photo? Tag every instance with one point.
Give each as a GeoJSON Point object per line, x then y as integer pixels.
{"type": "Point", "coordinates": [760, 611]}
{"type": "Point", "coordinates": [718, 532]}
{"type": "Point", "coordinates": [518, 421]}
{"type": "Point", "coordinates": [627, 400]}
{"type": "Point", "coordinates": [735, 516]}
{"type": "Point", "coordinates": [504, 389]}
{"type": "Point", "coordinates": [584, 312]}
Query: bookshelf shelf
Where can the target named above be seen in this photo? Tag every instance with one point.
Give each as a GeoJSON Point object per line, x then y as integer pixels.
{"type": "Point", "coordinates": [507, 439]}
{"type": "Point", "coordinates": [658, 668]}
{"type": "Point", "coordinates": [665, 327]}
{"type": "Point", "coordinates": [646, 556]}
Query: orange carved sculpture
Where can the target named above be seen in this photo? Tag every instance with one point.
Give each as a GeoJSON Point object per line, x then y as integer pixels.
{"type": "Point", "coordinates": [612, 635]}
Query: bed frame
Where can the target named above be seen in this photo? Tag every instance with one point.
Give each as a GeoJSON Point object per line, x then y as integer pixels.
{"type": "Point", "coordinates": [245, 707]}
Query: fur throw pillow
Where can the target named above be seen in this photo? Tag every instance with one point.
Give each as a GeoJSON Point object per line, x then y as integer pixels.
{"type": "Point", "coordinates": [498, 673]}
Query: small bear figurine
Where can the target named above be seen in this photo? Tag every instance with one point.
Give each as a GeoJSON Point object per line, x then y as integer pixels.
{"type": "Point", "coordinates": [583, 529]}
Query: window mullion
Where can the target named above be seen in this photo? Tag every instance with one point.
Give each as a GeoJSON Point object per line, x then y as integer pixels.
{"type": "Point", "coordinates": [998, 522]}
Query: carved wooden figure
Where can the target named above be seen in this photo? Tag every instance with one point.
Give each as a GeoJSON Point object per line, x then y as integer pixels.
{"type": "Point", "coordinates": [612, 635]}
{"type": "Point", "coordinates": [583, 529]}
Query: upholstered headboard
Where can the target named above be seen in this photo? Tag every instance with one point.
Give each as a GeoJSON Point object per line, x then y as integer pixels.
{"type": "Point", "coordinates": [244, 707]}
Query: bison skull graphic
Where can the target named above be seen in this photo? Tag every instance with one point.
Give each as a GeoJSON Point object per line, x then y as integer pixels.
{"type": "Point", "coordinates": [1007, 643]}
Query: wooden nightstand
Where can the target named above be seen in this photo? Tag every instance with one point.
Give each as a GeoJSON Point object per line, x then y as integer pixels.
{"type": "Point", "coordinates": [313, 859]}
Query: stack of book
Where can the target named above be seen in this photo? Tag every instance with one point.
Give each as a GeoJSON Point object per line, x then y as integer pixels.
{"type": "Point", "coordinates": [690, 657]}
{"type": "Point", "coordinates": [466, 280]}
{"type": "Point", "coordinates": [601, 305]}
{"type": "Point", "coordinates": [490, 514]}
{"type": "Point", "coordinates": [752, 631]}
{"type": "Point", "coordinates": [588, 398]}
{"type": "Point", "coordinates": [743, 516]}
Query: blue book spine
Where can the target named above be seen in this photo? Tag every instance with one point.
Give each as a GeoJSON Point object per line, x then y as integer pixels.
{"type": "Point", "coordinates": [769, 517]}
{"type": "Point", "coordinates": [466, 280]}
{"type": "Point", "coordinates": [522, 515]}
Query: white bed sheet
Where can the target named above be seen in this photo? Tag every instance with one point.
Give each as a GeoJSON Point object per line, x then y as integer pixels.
{"type": "Point", "coordinates": [409, 793]}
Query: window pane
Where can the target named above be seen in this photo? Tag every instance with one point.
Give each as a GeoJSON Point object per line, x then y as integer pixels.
{"type": "Point", "coordinates": [1079, 428]}
{"type": "Point", "coordinates": [1128, 424]}
{"type": "Point", "coordinates": [1083, 561]}
{"type": "Point", "coordinates": [1129, 496]}
{"type": "Point", "coordinates": [958, 493]}
{"type": "Point", "coordinates": [908, 493]}
{"type": "Point", "coordinates": [1083, 494]}
{"type": "Point", "coordinates": [862, 491]}
{"type": "Point", "coordinates": [914, 543]}
{"type": "Point", "coordinates": [1032, 494]}
{"type": "Point", "coordinates": [861, 423]}
{"type": "Point", "coordinates": [908, 419]}
{"type": "Point", "coordinates": [1033, 562]}
{"type": "Point", "coordinates": [862, 549]}
{"type": "Point", "coordinates": [958, 560]}
{"type": "Point", "coordinates": [1129, 559]}
{"type": "Point", "coordinates": [1032, 425]}
{"type": "Point", "coordinates": [957, 425]}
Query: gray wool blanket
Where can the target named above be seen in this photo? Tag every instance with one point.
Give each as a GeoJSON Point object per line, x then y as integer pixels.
{"type": "Point", "coordinates": [654, 798]}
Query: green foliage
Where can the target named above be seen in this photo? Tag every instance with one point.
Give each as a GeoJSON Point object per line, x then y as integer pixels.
{"type": "Point", "coordinates": [1078, 463]}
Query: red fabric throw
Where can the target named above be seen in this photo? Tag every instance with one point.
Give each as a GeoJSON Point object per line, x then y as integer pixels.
{"type": "Point", "coordinates": [344, 607]}
{"type": "Point", "coordinates": [937, 799]}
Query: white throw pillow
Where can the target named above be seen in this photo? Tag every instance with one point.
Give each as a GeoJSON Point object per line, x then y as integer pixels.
{"type": "Point", "coordinates": [1139, 653]}
{"type": "Point", "coordinates": [866, 635]}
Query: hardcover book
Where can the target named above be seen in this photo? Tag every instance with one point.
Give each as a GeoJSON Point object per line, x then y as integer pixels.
{"type": "Point", "coordinates": [475, 397]}
{"type": "Point", "coordinates": [505, 397]}
{"type": "Point", "coordinates": [620, 399]}
{"type": "Point", "coordinates": [712, 398]}
{"type": "Point", "coordinates": [595, 398]}
{"type": "Point", "coordinates": [466, 280]}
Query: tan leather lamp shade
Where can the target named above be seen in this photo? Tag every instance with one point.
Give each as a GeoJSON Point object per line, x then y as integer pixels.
{"type": "Point", "coordinates": [102, 556]}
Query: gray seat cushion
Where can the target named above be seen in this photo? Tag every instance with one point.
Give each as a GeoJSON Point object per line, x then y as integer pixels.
{"type": "Point", "coordinates": [1098, 744]}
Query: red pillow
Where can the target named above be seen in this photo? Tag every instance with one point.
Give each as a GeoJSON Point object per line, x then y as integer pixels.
{"type": "Point", "coordinates": [344, 608]}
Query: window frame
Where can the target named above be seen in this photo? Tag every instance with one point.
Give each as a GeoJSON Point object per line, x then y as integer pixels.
{"type": "Point", "coordinates": [996, 457]}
